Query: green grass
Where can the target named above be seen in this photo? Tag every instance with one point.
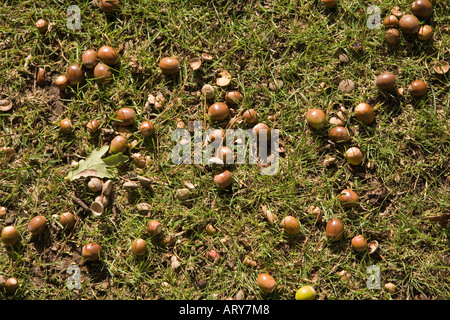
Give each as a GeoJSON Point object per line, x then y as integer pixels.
{"type": "Point", "coordinates": [404, 175]}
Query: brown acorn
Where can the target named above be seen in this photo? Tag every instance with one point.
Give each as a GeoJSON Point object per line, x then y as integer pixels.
{"type": "Point", "coordinates": [125, 117]}
{"type": "Point", "coordinates": [250, 116]}
{"type": "Point", "coordinates": [147, 128]}
{"type": "Point", "coordinates": [169, 65]}
{"type": "Point", "coordinates": [418, 88]}
{"type": "Point", "coordinates": [386, 81]}
{"type": "Point", "coordinates": [37, 225]}
{"type": "Point", "coordinates": [425, 32]}
{"type": "Point", "coordinates": [359, 243]}
{"type": "Point", "coordinates": [67, 220]}
{"type": "Point", "coordinates": [74, 74]}
{"type": "Point", "coordinates": [409, 24]}
{"type": "Point", "coordinates": [10, 235]}
{"type": "Point", "coordinates": [348, 198]}
{"type": "Point", "coordinates": [118, 144]}
{"type": "Point", "coordinates": [102, 73]}
{"type": "Point", "coordinates": [11, 284]}
{"type": "Point", "coordinates": [40, 77]}
{"type": "Point", "coordinates": [218, 111]}
{"type": "Point", "coordinates": [66, 126]}
{"type": "Point", "coordinates": [334, 229]}
{"type": "Point", "coordinates": [422, 8]}
{"type": "Point", "coordinates": [108, 55]}
{"type": "Point", "coordinates": [108, 6]}
{"type": "Point", "coordinates": [93, 126]}
{"type": "Point", "coordinates": [42, 25]}
{"type": "Point", "coordinates": [339, 134]}
{"type": "Point", "coordinates": [61, 82]}
{"type": "Point", "coordinates": [291, 225]}
{"type": "Point", "coordinates": [89, 58]}
{"type": "Point", "coordinates": [91, 251]}
{"type": "Point", "coordinates": [154, 227]}
{"type": "Point", "coordinates": [329, 3]}
{"type": "Point", "coordinates": [139, 247]}
{"type": "Point", "coordinates": [266, 283]}
{"type": "Point", "coordinates": [223, 180]}
{"type": "Point", "coordinates": [390, 21]}
{"type": "Point", "coordinates": [392, 37]}
{"type": "Point", "coordinates": [233, 97]}
{"type": "Point", "coordinates": [365, 113]}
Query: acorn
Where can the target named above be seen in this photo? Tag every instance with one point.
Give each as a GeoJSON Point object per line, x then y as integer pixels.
{"type": "Point", "coordinates": [392, 37]}
{"type": "Point", "coordinates": [425, 32]}
{"type": "Point", "coordinates": [422, 8]}
{"type": "Point", "coordinates": [218, 134]}
{"type": "Point", "coordinates": [42, 25]}
{"type": "Point", "coordinates": [93, 126]}
{"type": "Point", "coordinates": [291, 225]}
{"type": "Point", "coordinates": [61, 82]}
{"type": "Point", "coordinates": [118, 144]}
{"type": "Point", "coordinates": [305, 293]}
{"type": "Point", "coordinates": [139, 247]}
{"type": "Point", "coordinates": [37, 225]}
{"type": "Point", "coordinates": [66, 126]}
{"type": "Point", "coordinates": [225, 154]}
{"type": "Point", "coordinates": [147, 128]}
{"type": "Point", "coordinates": [223, 180]}
{"type": "Point", "coordinates": [233, 97]}
{"type": "Point", "coordinates": [386, 81]}
{"type": "Point", "coordinates": [11, 284]}
{"type": "Point", "coordinates": [334, 229]}
{"type": "Point", "coordinates": [348, 198]}
{"type": "Point", "coordinates": [95, 184]}
{"type": "Point", "coordinates": [125, 117]}
{"type": "Point", "coordinates": [339, 134]}
{"type": "Point", "coordinates": [89, 59]}
{"type": "Point", "coordinates": [10, 235]}
{"type": "Point", "coordinates": [108, 6]}
{"type": "Point", "coordinates": [108, 55]}
{"type": "Point", "coordinates": [169, 65]}
{"type": "Point", "coordinates": [40, 77]}
{"type": "Point", "coordinates": [409, 24]}
{"type": "Point", "coordinates": [74, 74]}
{"type": "Point", "coordinates": [102, 73]}
{"type": "Point", "coordinates": [3, 211]}
{"type": "Point", "coordinates": [329, 3]}
{"type": "Point", "coordinates": [218, 111]}
{"type": "Point", "coordinates": [154, 227]}
{"type": "Point", "coordinates": [67, 220]}
{"type": "Point", "coordinates": [354, 156]}
{"type": "Point", "coordinates": [250, 116]}
{"type": "Point", "coordinates": [390, 21]}
{"type": "Point", "coordinates": [418, 88]}
{"type": "Point", "coordinates": [359, 243]}
{"type": "Point", "coordinates": [266, 283]}
{"type": "Point", "coordinates": [262, 132]}
{"type": "Point", "coordinates": [91, 251]}
{"type": "Point", "coordinates": [316, 118]}
{"type": "Point", "coordinates": [365, 113]}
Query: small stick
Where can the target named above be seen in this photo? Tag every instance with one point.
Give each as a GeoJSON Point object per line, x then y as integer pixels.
{"type": "Point", "coordinates": [62, 51]}
{"type": "Point", "coordinates": [80, 202]}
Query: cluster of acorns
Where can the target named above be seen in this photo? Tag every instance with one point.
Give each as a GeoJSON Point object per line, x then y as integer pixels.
{"type": "Point", "coordinates": [409, 23]}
